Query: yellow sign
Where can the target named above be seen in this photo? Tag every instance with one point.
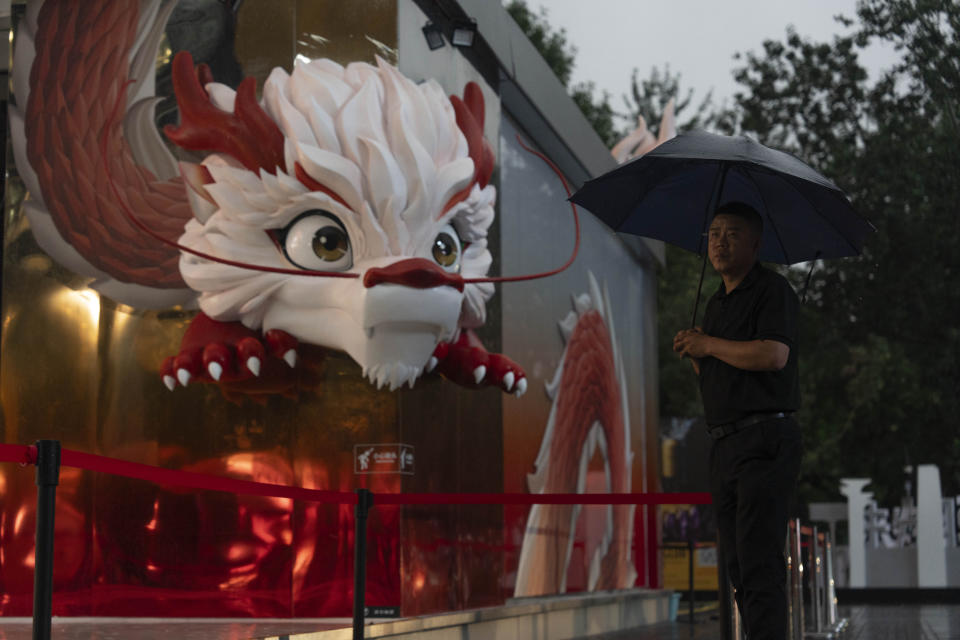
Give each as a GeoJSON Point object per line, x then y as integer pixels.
{"type": "Point", "coordinates": [676, 567]}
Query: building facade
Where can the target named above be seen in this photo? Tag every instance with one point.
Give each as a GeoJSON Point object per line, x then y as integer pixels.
{"type": "Point", "coordinates": [81, 366]}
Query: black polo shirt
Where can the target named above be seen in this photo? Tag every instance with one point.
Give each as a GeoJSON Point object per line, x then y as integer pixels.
{"type": "Point", "coordinates": [762, 307]}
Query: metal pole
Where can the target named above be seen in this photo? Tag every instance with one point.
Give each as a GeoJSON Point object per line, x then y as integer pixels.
{"type": "Point", "coordinates": [796, 579]}
{"type": "Point", "coordinates": [362, 508]}
{"type": "Point", "coordinates": [831, 585]}
{"type": "Point", "coordinates": [690, 548]}
{"type": "Point", "coordinates": [814, 581]}
{"type": "Point", "coordinates": [736, 621]}
{"type": "Point", "coordinates": [821, 580]}
{"type": "Point", "coordinates": [791, 632]}
{"type": "Point", "coordinates": [711, 207]}
{"type": "Point", "coordinates": [48, 477]}
{"type": "Point", "coordinates": [725, 595]}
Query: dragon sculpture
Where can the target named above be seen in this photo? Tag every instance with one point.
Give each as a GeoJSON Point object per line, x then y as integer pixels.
{"type": "Point", "coordinates": [347, 209]}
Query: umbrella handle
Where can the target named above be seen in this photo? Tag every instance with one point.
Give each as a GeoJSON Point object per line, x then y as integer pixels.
{"type": "Point", "coordinates": [711, 206]}
{"type": "Point", "coordinates": [806, 285]}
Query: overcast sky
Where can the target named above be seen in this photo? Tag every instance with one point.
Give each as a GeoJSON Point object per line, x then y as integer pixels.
{"type": "Point", "coordinates": [696, 37]}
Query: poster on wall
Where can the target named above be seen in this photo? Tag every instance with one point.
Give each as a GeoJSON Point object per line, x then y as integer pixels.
{"type": "Point", "coordinates": [586, 337]}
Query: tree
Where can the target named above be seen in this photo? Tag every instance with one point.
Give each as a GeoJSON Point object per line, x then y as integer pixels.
{"type": "Point", "coordinates": [560, 55]}
{"type": "Point", "coordinates": [879, 337]}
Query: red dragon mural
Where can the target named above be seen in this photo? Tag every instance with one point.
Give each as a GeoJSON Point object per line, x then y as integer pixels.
{"type": "Point", "coordinates": [589, 414]}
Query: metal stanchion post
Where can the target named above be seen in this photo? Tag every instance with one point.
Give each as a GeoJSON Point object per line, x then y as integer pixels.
{"type": "Point", "coordinates": [835, 625]}
{"type": "Point", "coordinates": [796, 580]}
{"type": "Point", "coordinates": [48, 477]}
{"type": "Point", "coordinates": [814, 582]}
{"type": "Point", "coordinates": [822, 580]}
{"type": "Point", "coordinates": [791, 633]}
{"type": "Point", "coordinates": [736, 622]}
{"type": "Point", "coordinates": [362, 508]}
{"type": "Point", "coordinates": [730, 622]}
{"type": "Point", "coordinates": [831, 594]}
{"type": "Point", "coordinates": [725, 595]}
{"type": "Point", "coordinates": [690, 549]}
{"type": "Point", "coordinates": [831, 585]}
{"type": "Point", "coordinates": [822, 590]}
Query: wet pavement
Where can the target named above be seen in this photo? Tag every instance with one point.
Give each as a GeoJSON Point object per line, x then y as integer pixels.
{"type": "Point", "coordinates": [904, 622]}
{"type": "Point", "coordinates": [867, 622]}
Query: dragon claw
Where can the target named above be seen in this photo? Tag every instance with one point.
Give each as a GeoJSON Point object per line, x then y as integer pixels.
{"type": "Point", "coordinates": [232, 356]}
{"type": "Point", "coordinates": [521, 387]}
{"type": "Point", "coordinates": [466, 362]}
{"type": "Point", "coordinates": [282, 345]}
{"type": "Point", "coordinates": [479, 374]}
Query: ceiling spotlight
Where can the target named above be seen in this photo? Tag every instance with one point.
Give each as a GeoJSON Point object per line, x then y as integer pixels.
{"type": "Point", "coordinates": [464, 32]}
{"type": "Point", "coordinates": [433, 35]}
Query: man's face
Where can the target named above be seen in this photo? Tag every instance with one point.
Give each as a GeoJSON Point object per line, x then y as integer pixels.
{"type": "Point", "coordinates": [732, 245]}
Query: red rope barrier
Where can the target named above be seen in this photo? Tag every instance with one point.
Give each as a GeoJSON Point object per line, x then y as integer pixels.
{"type": "Point", "coordinates": [91, 462]}
{"type": "Point", "coordinates": [192, 480]}
{"type": "Point", "coordinates": [19, 453]}
{"type": "Point", "coordinates": [543, 498]}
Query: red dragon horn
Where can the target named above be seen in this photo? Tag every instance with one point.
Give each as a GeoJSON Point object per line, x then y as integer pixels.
{"type": "Point", "coordinates": [248, 134]}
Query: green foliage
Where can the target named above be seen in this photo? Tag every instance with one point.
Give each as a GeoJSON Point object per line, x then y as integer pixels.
{"type": "Point", "coordinates": [559, 54]}
{"type": "Point", "coordinates": [879, 337]}
{"type": "Point", "coordinates": [552, 44]}
{"type": "Point", "coordinates": [598, 112]}
{"type": "Point", "coordinates": [805, 97]}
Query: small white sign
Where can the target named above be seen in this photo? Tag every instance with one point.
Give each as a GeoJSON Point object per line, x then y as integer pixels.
{"type": "Point", "coordinates": [383, 458]}
{"type": "Point", "coordinates": [707, 557]}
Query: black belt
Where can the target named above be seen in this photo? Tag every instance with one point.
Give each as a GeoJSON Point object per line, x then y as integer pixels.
{"type": "Point", "coordinates": [725, 429]}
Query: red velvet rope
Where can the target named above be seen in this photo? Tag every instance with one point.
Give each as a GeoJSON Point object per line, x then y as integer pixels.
{"type": "Point", "coordinates": [18, 453]}
{"type": "Point", "coordinates": [28, 455]}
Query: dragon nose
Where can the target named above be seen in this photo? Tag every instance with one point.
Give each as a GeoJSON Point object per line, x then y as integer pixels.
{"type": "Point", "coordinates": [418, 273]}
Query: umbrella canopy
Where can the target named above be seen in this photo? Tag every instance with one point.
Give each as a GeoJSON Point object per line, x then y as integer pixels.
{"type": "Point", "coordinates": [671, 192]}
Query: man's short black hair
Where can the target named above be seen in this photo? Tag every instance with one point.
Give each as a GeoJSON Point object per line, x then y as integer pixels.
{"type": "Point", "coordinates": [744, 211]}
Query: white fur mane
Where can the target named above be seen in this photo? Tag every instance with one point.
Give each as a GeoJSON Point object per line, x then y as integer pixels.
{"type": "Point", "coordinates": [390, 148]}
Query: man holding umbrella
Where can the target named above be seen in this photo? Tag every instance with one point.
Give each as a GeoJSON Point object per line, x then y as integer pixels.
{"type": "Point", "coordinates": [746, 360]}
{"type": "Point", "coordinates": [693, 190]}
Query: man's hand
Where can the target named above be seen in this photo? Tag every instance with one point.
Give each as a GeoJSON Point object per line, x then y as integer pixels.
{"type": "Point", "coordinates": [682, 342]}
{"type": "Point", "coordinates": [749, 355]}
{"type": "Point", "coordinates": [691, 343]}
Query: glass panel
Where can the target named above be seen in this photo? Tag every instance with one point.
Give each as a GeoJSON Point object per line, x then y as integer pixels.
{"type": "Point", "coordinates": [82, 368]}
{"type": "Point", "coordinates": [594, 356]}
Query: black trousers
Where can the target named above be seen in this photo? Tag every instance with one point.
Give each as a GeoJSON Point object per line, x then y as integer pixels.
{"type": "Point", "coordinates": [753, 475]}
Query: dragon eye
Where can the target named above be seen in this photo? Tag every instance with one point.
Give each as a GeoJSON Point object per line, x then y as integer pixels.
{"type": "Point", "coordinates": [318, 241]}
{"type": "Point", "coordinates": [446, 249]}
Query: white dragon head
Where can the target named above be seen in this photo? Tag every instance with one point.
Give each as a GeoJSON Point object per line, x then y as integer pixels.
{"type": "Point", "coordinates": [355, 170]}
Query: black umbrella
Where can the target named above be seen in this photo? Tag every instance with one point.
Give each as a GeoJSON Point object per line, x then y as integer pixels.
{"type": "Point", "coordinates": [671, 192]}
